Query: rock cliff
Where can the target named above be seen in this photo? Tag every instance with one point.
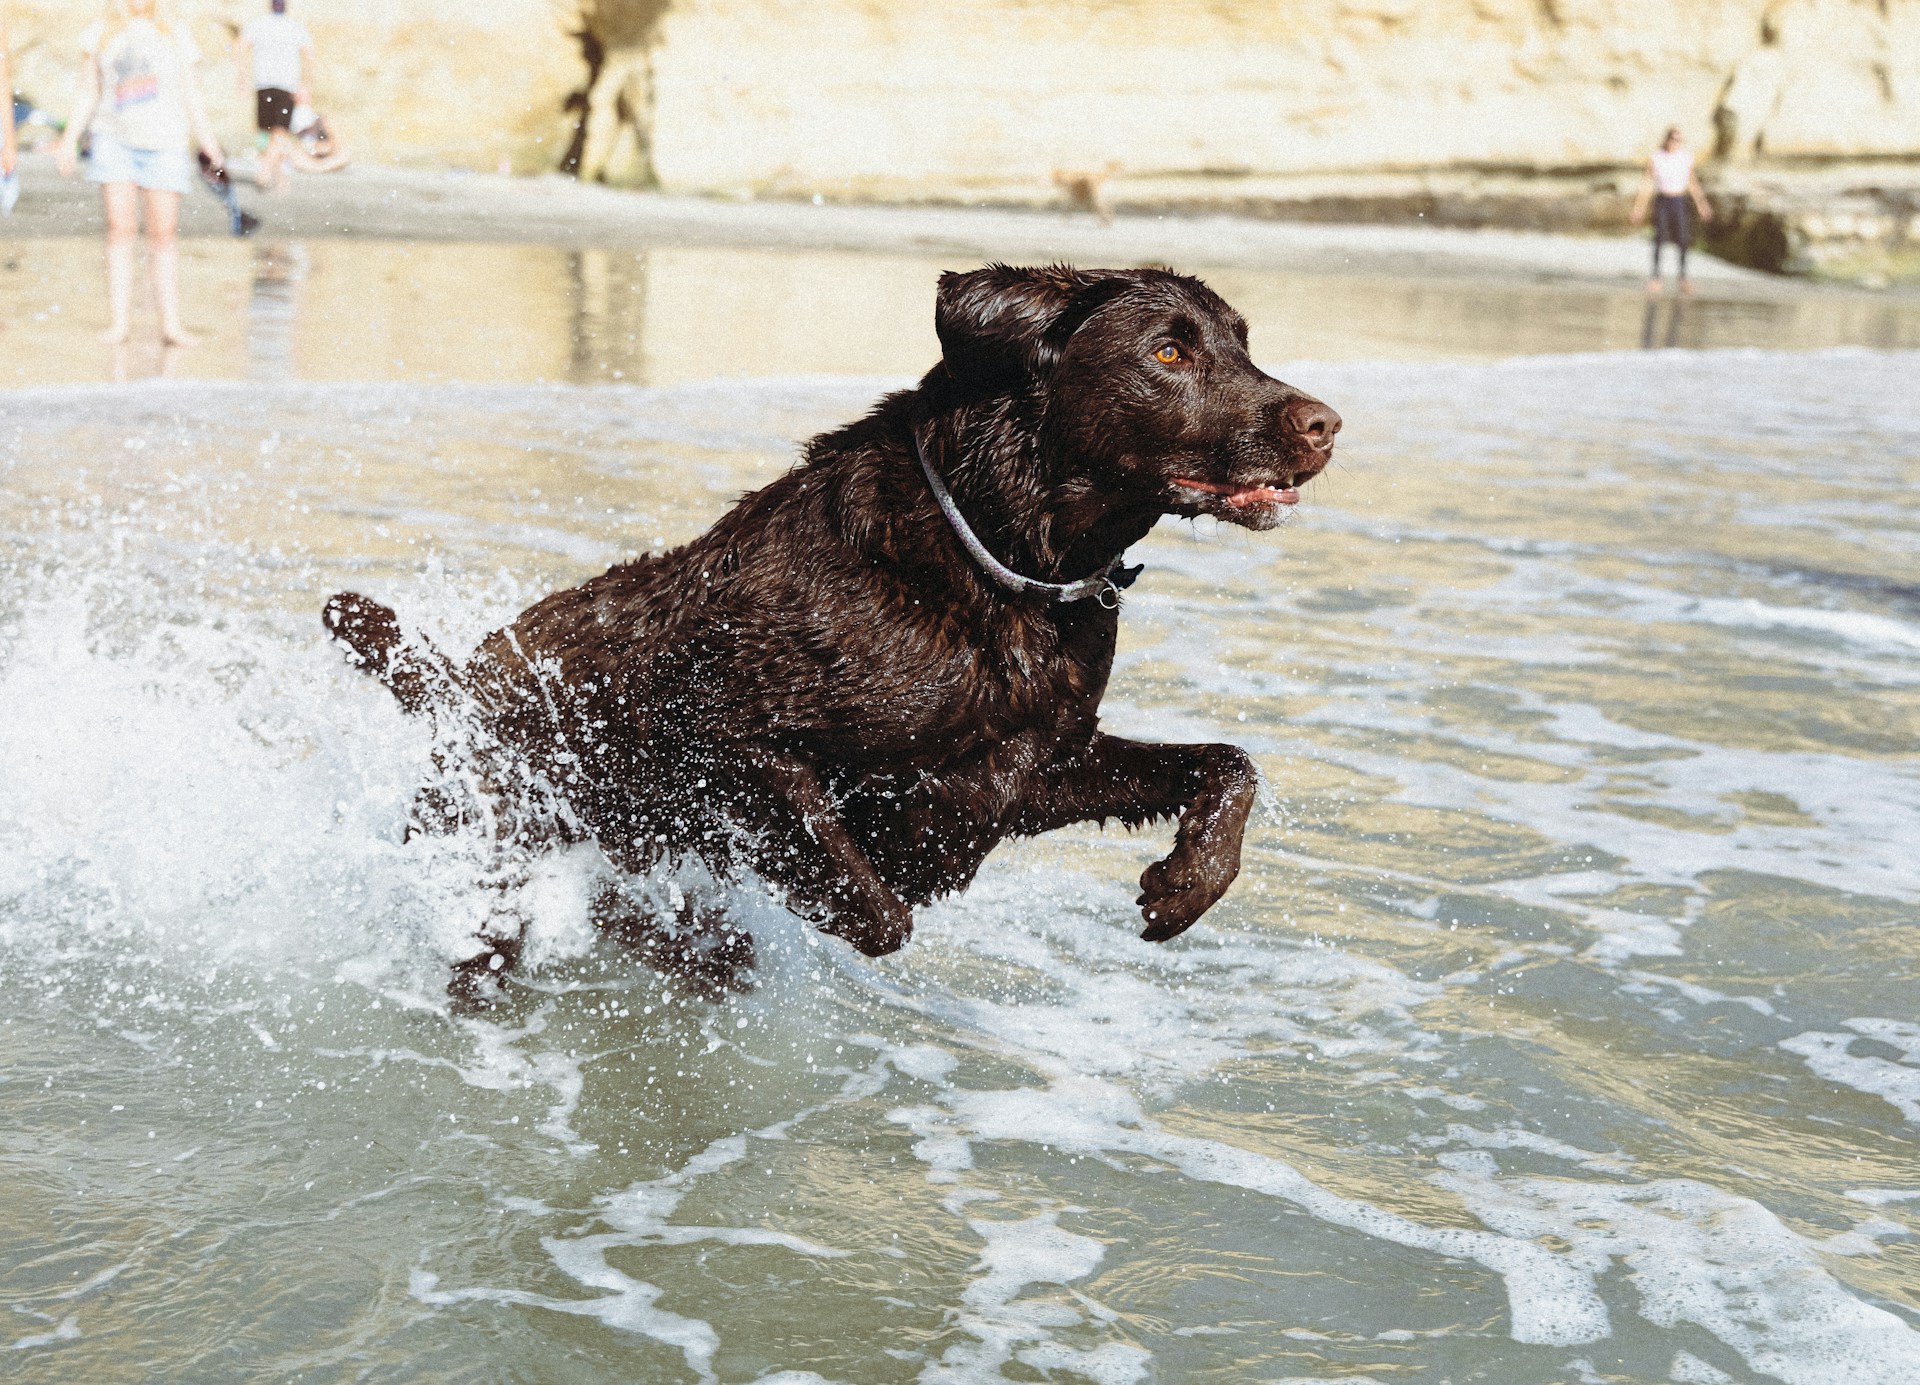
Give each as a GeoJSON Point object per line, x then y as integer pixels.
{"type": "Point", "coordinates": [1307, 109]}
{"type": "Point", "coordinates": [906, 97]}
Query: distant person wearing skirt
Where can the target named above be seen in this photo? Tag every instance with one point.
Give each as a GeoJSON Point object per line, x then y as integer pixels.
{"type": "Point", "coordinates": [275, 54]}
{"type": "Point", "coordinates": [1669, 183]}
{"type": "Point", "coordinates": [140, 108]}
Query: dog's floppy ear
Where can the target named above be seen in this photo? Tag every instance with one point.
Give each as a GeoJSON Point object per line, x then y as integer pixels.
{"type": "Point", "coordinates": [1002, 326]}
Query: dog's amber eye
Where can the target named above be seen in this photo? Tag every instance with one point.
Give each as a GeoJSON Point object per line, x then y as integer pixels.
{"type": "Point", "coordinates": [1169, 354]}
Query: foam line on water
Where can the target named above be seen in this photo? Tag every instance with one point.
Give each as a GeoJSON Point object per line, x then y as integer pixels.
{"type": "Point", "coordinates": [1103, 1033]}
{"type": "Point", "coordinates": [1511, 1137]}
{"type": "Point", "coordinates": [712, 414]}
{"type": "Point", "coordinates": [1894, 1081]}
{"type": "Point", "coordinates": [1015, 1255]}
{"type": "Point", "coordinates": [1701, 995]}
{"type": "Point", "coordinates": [1695, 1253]}
{"type": "Point", "coordinates": [1858, 844]}
{"type": "Point", "coordinates": [66, 1330]}
{"type": "Point", "coordinates": [639, 1215]}
{"type": "Point", "coordinates": [1688, 1369]}
{"type": "Point", "coordinates": [1163, 1015]}
{"type": "Point", "coordinates": [1858, 627]}
{"type": "Point", "coordinates": [1551, 1297]}
{"type": "Point", "coordinates": [1804, 1324]}
{"type": "Point", "coordinates": [1700, 1255]}
{"type": "Point", "coordinates": [1883, 1197]}
{"type": "Point", "coordinates": [627, 1306]}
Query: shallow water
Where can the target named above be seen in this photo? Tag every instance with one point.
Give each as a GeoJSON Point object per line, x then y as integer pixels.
{"type": "Point", "coordinates": [356, 310]}
{"type": "Point", "coordinates": [1561, 1028]}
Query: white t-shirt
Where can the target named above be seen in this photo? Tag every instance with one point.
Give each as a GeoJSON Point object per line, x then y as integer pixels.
{"type": "Point", "coordinates": [276, 41]}
{"type": "Point", "coordinates": [1672, 171]}
{"type": "Point", "coordinates": [144, 74]}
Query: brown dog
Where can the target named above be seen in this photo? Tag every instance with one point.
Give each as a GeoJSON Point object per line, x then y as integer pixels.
{"type": "Point", "coordinates": [869, 673]}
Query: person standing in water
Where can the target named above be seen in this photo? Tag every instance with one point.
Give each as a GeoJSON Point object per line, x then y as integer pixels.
{"type": "Point", "coordinates": [139, 103]}
{"type": "Point", "coordinates": [275, 52]}
{"type": "Point", "coordinates": [9, 151]}
{"type": "Point", "coordinates": [1670, 180]}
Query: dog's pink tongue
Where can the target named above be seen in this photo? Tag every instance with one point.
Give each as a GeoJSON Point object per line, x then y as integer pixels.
{"type": "Point", "coordinates": [1245, 495]}
{"type": "Point", "coordinates": [1262, 495]}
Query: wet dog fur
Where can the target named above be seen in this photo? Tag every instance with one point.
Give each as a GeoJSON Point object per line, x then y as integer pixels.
{"type": "Point", "coordinates": [825, 689]}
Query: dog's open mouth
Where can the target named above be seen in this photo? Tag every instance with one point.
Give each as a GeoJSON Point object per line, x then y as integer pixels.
{"type": "Point", "coordinates": [1240, 497]}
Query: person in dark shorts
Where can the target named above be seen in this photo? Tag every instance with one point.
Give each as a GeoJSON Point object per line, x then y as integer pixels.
{"type": "Point", "coordinates": [1669, 184]}
{"type": "Point", "coordinates": [273, 109]}
{"type": "Point", "coordinates": [275, 55]}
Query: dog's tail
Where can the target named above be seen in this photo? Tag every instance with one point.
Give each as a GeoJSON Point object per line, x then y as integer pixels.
{"type": "Point", "coordinates": [417, 674]}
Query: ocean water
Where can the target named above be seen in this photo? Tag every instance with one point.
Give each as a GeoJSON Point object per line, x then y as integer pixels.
{"type": "Point", "coordinates": [1564, 1025]}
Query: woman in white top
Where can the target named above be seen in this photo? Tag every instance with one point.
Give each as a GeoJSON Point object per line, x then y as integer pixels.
{"type": "Point", "coordinates": [139, 103]}
{"type": "Point", "coordinates": [1669, 181]}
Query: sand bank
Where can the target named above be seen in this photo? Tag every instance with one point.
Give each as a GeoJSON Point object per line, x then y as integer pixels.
{"type": "Point", "coordinates": [395, 204]}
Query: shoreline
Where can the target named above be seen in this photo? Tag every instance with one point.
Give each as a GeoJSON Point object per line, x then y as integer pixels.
{"type": "Point", "coordinates": [386, 274]}
{"type": "Point", "coordinates": [447, 206]}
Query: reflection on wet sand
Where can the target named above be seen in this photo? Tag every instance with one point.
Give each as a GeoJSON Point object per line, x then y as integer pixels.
{"type": "Point", "coordinates": [273, 309]}
{"type": "Point", "coordinates": [388, 310]}
{"type": "Point", "coordinates": [152, 359]}
{"type": "Point", "coordinates": [1676, 313]}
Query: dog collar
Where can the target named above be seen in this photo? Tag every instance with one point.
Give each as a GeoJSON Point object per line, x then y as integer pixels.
{"type": "Point", "coordinates": [1104, 584]}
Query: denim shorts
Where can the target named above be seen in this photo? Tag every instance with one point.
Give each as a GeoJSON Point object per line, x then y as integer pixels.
{"type": "Point", "coordinates": [163, 170]}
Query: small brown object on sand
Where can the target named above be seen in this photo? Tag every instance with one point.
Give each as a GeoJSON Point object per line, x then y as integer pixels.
{"type": "Point", "coordinates": [1086, 188]}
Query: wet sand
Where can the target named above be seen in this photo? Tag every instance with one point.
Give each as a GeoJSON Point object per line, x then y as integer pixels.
{"type": "Point", "coordinates": [344, 309]}
{"type": "Point", "coordinates": [417, 205]}
{"type": "Point", "coordinates": [388, 274]}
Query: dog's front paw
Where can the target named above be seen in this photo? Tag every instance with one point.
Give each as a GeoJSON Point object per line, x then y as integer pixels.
{"type": "Point", "coordinates": [1176, 891]}
{"type": "Point", "coordinates": [875, 937]}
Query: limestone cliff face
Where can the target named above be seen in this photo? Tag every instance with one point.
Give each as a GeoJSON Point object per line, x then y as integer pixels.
{"type": "Point", "coordinates": [1827, 78]}
{"type": "Point", "coordinates": [905, 96]}
{"type": "Point", "coordinates": [944, 98]}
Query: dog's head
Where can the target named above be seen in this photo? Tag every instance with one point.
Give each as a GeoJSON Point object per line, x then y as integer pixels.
{"type": "Point", "coordinates": [1144, 381]}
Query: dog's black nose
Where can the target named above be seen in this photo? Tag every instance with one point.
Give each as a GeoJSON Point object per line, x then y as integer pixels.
{"type": "Point", "coordinates": [1314, 422]}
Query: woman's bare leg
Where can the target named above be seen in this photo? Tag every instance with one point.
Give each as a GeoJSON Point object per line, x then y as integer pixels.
{"type": "Point", "coordinates": [122, 201]}
{"type": "Point", "coordinates": [272, 174]}
{"type": "Point", "coordinates": [163, 249]}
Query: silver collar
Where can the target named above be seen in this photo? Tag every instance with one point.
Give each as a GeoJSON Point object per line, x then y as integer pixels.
{"type": "Point", "coordinates": [1104, 584]}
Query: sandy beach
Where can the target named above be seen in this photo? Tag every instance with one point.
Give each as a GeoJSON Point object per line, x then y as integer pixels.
{"type": "Point", "coordinates": [379, 273]}
{"type": "Point", "coordinates": [415, 205]}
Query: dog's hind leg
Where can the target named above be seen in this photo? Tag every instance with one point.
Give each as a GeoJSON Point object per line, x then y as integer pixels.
{"type": "Point", "coordinates": [499, 820]}
{"type": "Point", "coordinates": [697, 946]}
{"type": "Point", "coordinates": [476, 982]}
{"type": "Point", "coordinates": [1210, 787]}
